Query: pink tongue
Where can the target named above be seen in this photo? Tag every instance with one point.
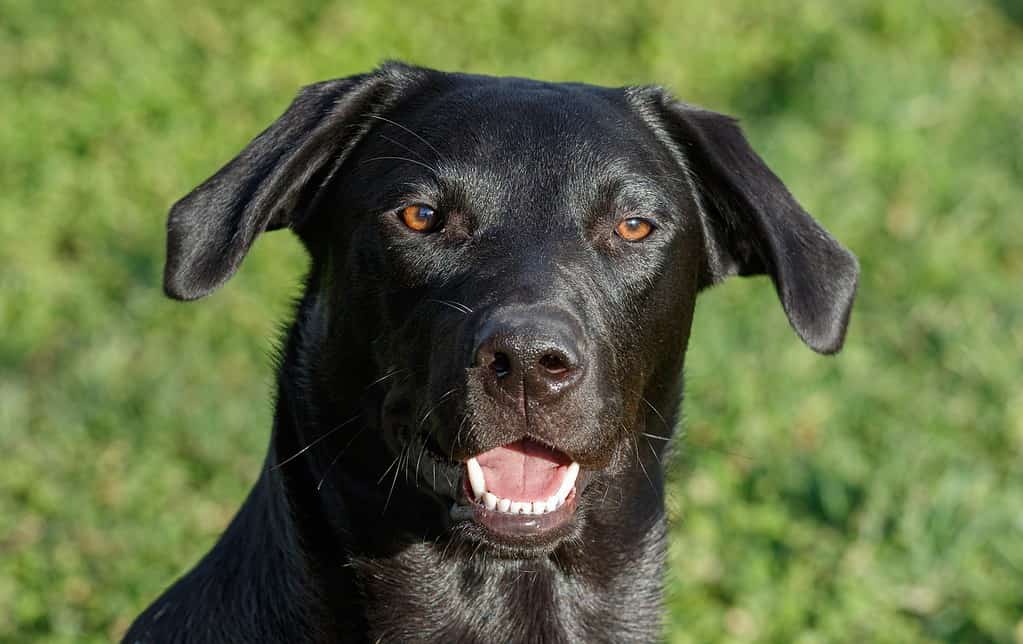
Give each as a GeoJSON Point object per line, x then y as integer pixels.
{"type": "Point", "coordinates": [523, 471]}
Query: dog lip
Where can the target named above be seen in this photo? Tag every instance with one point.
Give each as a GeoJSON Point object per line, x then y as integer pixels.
{"type": "Point", "coordinates": [508, 526]}
{"type": "Point", "coordinates": [513, 526]}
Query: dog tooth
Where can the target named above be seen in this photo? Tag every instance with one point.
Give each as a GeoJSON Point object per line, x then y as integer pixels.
{"type": "Point", "coordinates": [516, 507]}
{"type": "Point", "coordinates": [553, 503]}
{"type": "Point", "coordinates": [539, 507]}
{"type": "Point", "coordinates": [503, 505]}
{"type": "Point", "coordinates": [476, 480]}
{"type": "Point", "coordinates": [490, 500]}
{"type": "Point", "coordinates": [569, 482]}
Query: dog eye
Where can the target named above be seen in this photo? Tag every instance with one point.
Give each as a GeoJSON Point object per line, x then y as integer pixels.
{"type": "Point", "coordinates": [420, 218]}
{"type": "Point", "coordinates": [634, 229]}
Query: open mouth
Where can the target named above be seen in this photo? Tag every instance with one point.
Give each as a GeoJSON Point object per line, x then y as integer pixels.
{"type": "Point", "coordinates": [522, 489]}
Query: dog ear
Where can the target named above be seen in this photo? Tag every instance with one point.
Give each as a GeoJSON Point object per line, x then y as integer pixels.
{"type": "Point", "coordinates": [275, 180]}
{"type": "Point", "coordinates": [755, 226]}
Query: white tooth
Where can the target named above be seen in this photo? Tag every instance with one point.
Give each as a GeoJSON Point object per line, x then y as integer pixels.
{"type": "Point", "coordinates": [490, 500]}
{"type": "Point", "coordinates": [516, 507]}
{"type": "Point", "coordinates": [569, 482]}
{"type": "Point", "coordinates": [553, 503]}
{"type": "Point", "coordinates": [539, 507]}
{"type": "Point", "coordinates": [503, 505]}
{"type": "Point", "coordinates": [476, 480]}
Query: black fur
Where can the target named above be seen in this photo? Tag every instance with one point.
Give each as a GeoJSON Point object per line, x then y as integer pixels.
{"type": "Point", "coordinates": [348, 534]}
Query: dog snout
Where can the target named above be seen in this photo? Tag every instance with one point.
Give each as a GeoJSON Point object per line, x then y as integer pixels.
{"type": "Point", "coordinates": [529, 356]}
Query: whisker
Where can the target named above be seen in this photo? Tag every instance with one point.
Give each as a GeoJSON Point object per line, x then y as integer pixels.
{"type": "Point", "coordinates": [404, 463]}
{"type": "Point", "coordinates": [389, 374]}
{"type": "Point", "coordinates": [422, 449]}
{"type": "Point", "coordinates": [458, 435]}
{"type": "Point", "coordinates": [384, 475]}
{"type": "Point", "coordinates": [419, 461]}
{"type": "Point", "coordinates": [403, 457]}
{"type": "Point", "coordinates": [419, 163]}
{"type": "Point", "coordinates": [651, 446]}
{"type": "Point", "coordinates": [655, 436]}
{"type": "Point", "coordinates": [339, 455]}
{"type": "Point", "coordinates": [607, 489]}
{"type": "Point", "coordinates": [440, 400]}
{"type": "Point", "coordinates": [655, 410]}
{"type": "Point", "coordinates": [639, 460]}
{"type": "Point", "coordinates": [314, 443]}
{"type": "Point", "coordinates": [458, 306]}
{"type": "Point", "coordinates": [399, 125]}
{"type": "Point", "coordinates": [402, 145]}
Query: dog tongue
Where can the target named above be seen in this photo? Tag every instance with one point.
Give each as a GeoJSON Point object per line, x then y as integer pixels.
{"type": "Point", "coordinates": [524, 470]}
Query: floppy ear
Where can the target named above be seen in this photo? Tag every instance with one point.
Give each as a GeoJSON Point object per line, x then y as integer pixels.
{"type": "Point", "coordinates": [274, 181]}
{"type": "Point", "coordinates": [755, 226]}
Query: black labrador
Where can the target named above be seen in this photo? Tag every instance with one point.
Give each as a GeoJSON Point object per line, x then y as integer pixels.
{"type": "Point", "coordinates": [485, 367]}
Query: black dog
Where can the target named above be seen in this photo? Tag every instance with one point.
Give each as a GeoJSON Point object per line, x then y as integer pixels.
{"type": "Point", "coordinates": [502, 287]}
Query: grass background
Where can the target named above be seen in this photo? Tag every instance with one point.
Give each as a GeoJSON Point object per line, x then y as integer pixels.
{"type": "Point", "coordinates": [875, 496]}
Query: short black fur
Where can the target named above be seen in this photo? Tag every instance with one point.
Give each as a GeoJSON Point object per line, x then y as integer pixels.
{"type": "Point", "coordinates": [358, 528]}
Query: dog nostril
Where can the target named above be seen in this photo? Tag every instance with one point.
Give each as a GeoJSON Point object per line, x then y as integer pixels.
{"type": "Point", "coordinates": [501, 365]}
{"type": "Point", "coordinates": [553, 364]}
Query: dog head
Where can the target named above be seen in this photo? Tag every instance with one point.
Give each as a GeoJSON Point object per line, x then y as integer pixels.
{"type": "Point", "coordinates": [512, 265]}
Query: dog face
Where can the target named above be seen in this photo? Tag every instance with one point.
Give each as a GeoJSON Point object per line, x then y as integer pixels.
{"type": "Point", "coordinates": [516, 261]}
{"type": "Point", "coordinates": [515, 264]}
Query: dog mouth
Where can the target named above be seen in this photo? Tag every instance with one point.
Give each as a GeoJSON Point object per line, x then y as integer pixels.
{"type": "Point", "coordinates": [523, 489]}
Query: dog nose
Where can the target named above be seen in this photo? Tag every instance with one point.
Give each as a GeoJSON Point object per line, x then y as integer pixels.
{"type": "Point", "coordinates": [538, 357]}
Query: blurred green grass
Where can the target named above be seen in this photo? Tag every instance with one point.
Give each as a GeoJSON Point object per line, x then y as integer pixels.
{"type": "Point", "coordinates": [876, 496]}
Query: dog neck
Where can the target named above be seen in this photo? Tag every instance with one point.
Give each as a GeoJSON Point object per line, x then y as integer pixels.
{"type": "Point", "coordinates": [426, 592]}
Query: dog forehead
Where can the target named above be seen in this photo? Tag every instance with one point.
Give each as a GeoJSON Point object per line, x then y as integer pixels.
{"type": "Point", "coordinates": [508, 119]}
{"type": "Point", "coordinates": [546, 150]}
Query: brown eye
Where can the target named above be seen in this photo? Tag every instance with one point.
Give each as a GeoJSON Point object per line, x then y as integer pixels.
{"type": "Point", "coordinates": [634, 229]}
{"type": "Point", "coordinates": [419, 218]}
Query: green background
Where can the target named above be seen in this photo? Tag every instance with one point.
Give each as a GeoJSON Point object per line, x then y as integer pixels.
{"type": "Point", "coordinates": [873, 496]}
